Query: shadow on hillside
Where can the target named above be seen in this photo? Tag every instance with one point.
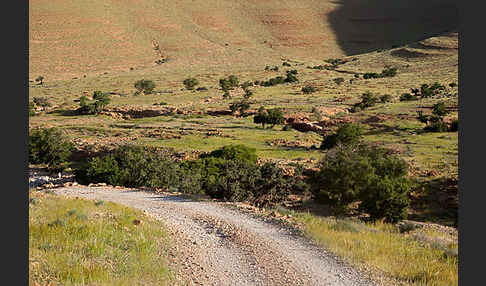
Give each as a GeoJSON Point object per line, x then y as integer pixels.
{"type": "Point", "coordinates": [365, 26]}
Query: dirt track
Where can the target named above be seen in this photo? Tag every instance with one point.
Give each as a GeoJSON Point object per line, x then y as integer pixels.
{"type": "Point", "coordinates": [215, 245]}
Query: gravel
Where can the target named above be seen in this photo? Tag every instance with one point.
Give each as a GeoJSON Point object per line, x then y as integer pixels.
{"type": "Point", "coordinates": [216, 245]}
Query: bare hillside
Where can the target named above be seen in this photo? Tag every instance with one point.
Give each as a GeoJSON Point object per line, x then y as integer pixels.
{"type": "Point", "coordinates": [70, 38]}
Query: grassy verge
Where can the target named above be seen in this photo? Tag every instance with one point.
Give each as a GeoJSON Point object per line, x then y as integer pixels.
{"type": "Point", "coordinates": [82, 242]}
{"type": "Point", "coordinates": [418, 257]}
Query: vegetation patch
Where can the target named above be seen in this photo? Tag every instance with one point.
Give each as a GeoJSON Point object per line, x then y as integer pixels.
{"type": "Point", "coordinates": [75, 241]}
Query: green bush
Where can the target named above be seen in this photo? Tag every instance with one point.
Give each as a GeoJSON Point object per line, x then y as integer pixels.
{"type": "Point", "coordinates": [408, 97]}
{"type": "Point", "coordinates": [271, 116]}
{"type": "Point", "coordinates": [437, 126]}
{"type": "Point", "coordinates": [49, 146]}
{"type": "Point", "coordinates": [386, 72]}
{"type": "Point", "coordinates": [439, 109]}
{"type": "Point", "coordinates": [100, 101]}
{"type": "Point", "coordinates": [338, 80]}
{"type": "Point", "coordinates": [234, 152]}
{"type": "Point", "coordinates": [363, 174]}
{"type": "Point", "coordinates": [145, 86]}
{"type": "Point", "coordinates": [286, 64]}
{"type": "Point", "coordinates": [348, 133]}
{"type": "Point", "coordinates": [385, 98]}
{"type": "Point", "coordinates": [308, 89]}
{"type": "Point", "coordinates": [190, 83]}
{"type": "Point", "coordinates": [241, 106]}
{"type": "Point", "coordinates": [31, 109]}
{"type": "Point", "coordinates": [368, 99]}
{"type": "Point", "coordinates": [130, 166]}
{"type": "Point", "coordinates": [248, 93]}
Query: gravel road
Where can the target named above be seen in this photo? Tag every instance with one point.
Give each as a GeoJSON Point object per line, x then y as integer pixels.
{"type": "Point", "coordinates": [216, 245]}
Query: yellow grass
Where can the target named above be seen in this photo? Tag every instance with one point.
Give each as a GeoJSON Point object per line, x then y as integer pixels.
{"type": "Point", "coordinates": [82, 242]}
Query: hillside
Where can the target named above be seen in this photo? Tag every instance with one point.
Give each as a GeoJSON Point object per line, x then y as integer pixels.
{"type": "Point", "coordinates": [70, 39]}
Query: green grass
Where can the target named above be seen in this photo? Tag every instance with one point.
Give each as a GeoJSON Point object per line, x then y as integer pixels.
{"type": "Point", "coordinates": [382, 247]}
{"type": "Point", "coordinates": [82, 242]}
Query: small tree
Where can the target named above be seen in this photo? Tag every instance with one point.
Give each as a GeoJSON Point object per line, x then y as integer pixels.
{"type": "Point", "coordinates": [145, 86]}
{"type": "Point", "coordinates": [261, 117]}
{"type": "Point", "coordinates": [347, 134]}
{"type": "Point", "coordinates": [248, 93]}
{"type": "Point", "coordinates": [291, 76]}
{"type": "Point", "coordinates": [49, 146]}
{"type": "Point", "coordinates": [241, 106]}
{"type": "Point", "coordinates": [439, 109]}
{"type": "Point", "coordinates": [275, 116]}
{"type": "Point", "coordinates": [100, 101]}
{"type": "Point", "coordinates": [190, 83]}
{"type": "Point", "coordinates": [371, 176]}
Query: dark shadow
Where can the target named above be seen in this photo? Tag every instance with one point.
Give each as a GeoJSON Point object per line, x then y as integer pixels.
{"type": "Point", "coordinates": [64, 112]}
{"type": "Point", "coordinates": [365, 26]}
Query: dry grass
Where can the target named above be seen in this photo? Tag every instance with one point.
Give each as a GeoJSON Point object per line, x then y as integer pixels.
{"type": "Point", "coordinates": [82, 242]}
{"type": "Point", "coordinates": [422, 258]}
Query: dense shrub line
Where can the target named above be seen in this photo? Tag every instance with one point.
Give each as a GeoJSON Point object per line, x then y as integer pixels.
{"type": "Point", "coordinates": [229, 173]}
{"type": "Point", "coordinates": [351, 172]}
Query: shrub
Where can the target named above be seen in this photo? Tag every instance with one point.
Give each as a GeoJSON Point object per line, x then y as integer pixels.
{"type": "Point", "coordinates": [31, 109]}
{"type": "Point", "coordinates": [145, 86]}
{"type": "Point", "coordinates": [271, 185]}
{"type": "Point", "coordinates": [240, 106]}
{"type": "Point", "coordinates": [338, 80]}
{"type": "Point", "coordinates": [203, 88]}
{"type": "Point", "coordinates": [235, 181]}
{"type": "Point", "coordinates": [452, 84]}
{"type": "Point", "coordinates": [286, 64]}
{"type": "Point", "coordinates": [356, 75]}
{"type": "Point", "coordinates": [437, 126]}
{"type": "Point", "coordinates": [368, 99]}
{"type": "Point", "coordinates": [233, 80]}
{"type": "Point", "coordinates": [385, 98]}
{"type": "Point", "coordinates": [261, 117]}
{"type": "Point", "coordinates": [246, 84]}
{"type": "Point", "coordinates": [190, 83]}
{"type": "Point", "coordinates": [131, 166]}
{"type": "Point", "coordinates": [426, 91]}
{"type": "Point", "coordinates": [439, 109]}
{"type": "Point", "coordinates": [370, 75]}
{"type": "Point", "coordinates": [49, 146]}
{"type": "Point", "coordinates": [388, 72]}
{"type": "Point", "coordinates": [248, 93]}
{"type": "Point", "coordinates": [42, 101]}
{"type": "Point", "coordinates": [100, 101]}
{"type": "Point", "coordinates": [291, 76]}
{"type": "Point", "coordinates": [234, 152]}
{"type": "Point", "coordinates": [362, 173]}
{"type": "Point", "coordinates": [308, 89]}
{"type": "Point", "coordinates": [348, 133]}
{"type": "Point", "coordinates": [274, 117]}
{"type": "Point", "coordinates": [408, 97]}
